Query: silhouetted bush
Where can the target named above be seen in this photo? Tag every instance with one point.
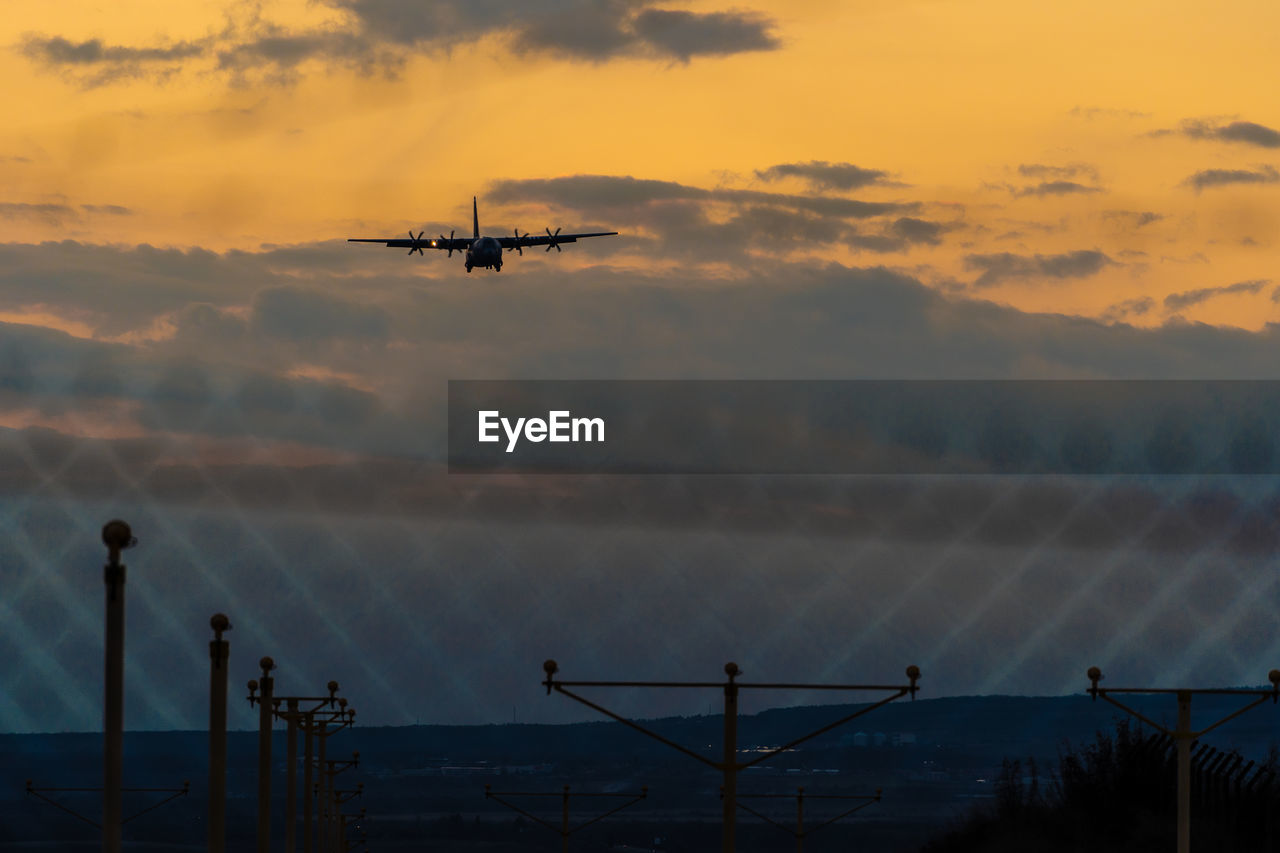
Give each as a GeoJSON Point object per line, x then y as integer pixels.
{"type": "Point", "coordinates": [1119, 794]}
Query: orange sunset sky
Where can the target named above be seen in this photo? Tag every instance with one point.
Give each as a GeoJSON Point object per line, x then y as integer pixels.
{"type": "Point", "coordinates": [1099, 157]}
{"type": "Point", "coordinates": [883, 189]}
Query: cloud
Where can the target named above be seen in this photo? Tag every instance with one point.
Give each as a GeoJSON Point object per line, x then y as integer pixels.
{"type": "Point", "coordinates": [1223, 177]}
{"type": "Point", "coordinates": [592, 191]}
{"type": "Point", "coordinates": [1133, 218]}
{"type": "Point", "coordinates": [58, 213]}
{"type": "Point", "coordinates": [978, 564]}
{"type": "Point", "coordinates": [584, 30]}
{"type": "Point", "coordinates": [99, 64]}
{"type": "Point", "coordinates": [361, 348]}
{"type": "Point", "coordinates": [724, 223]}
{"type": "Point", "coordinates": [1003, 266]}
{"type": "Point", "coordinates": [378, 36]}
{"type": "Point", "coordinates": [1105, 112]}
{"type": "Point", "coordinates": [208, 324]}
{"type": "Point", "coordinates": [1187, 298]}
{"type": "Point", "coordinates": [1137, 307]}
{"type": "Point", "coordinates": [599, 194]}
{"type": "Point", "coordinates": [278, 54]}
{"type": "Point", "coordinates": [900, 235]}
{"type": "Point", "coordinates": [914, 230]}
{"type": "Point", "coordinates": [1055, 180]}
{"type": "Point", "coordinates": [1056, 188]}
{"type": "Point", "coordinates": [53, 214]}
{"type": "Point", "coordinates": [1041, 170]}
{"type": "Point", "coordinates": [59, 51]}
{"type": "Point", "coordinates": [875, 242]}
{"type": "Point", "coordinates": [684, 35]}
{"type": "Point", "coordinates": [248, 482]}
{"type": "Point", "coordinates": [108, 209]}
{"type": "Point", "coordinates": [305, 315]}
{"type": "Point", "coordinates": [577, 31]}
{"type": "Point", "coordinates": [1246, 132]}
{"type": "Point", "coordinates": [821, 175]}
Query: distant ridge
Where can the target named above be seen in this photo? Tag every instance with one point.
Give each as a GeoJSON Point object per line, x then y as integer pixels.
{"type": "Point", "coordinates": [1008, 724]}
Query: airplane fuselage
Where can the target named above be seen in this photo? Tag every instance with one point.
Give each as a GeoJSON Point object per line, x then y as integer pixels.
{"type": "Point", "coordinates": [480, 251]}
{"type": "Point", "coordinates": [484, 252]}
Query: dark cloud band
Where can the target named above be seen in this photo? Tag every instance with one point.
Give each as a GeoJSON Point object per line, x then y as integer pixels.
{"type": "Point", "coordinates": [1003, 266]}
{"type": "Point", "coordinates": [1208, 178]}
{"type": "Point", "coordinates": [379, 35]}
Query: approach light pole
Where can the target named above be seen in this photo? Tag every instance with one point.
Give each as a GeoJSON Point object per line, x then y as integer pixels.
{"type": "Point", "coordinates": [563, 829]}
{"type": "Point", "coordinates": [329, 801]}
{"type": "Point", "coordinates": [1183, 734]}
{"type": "Point", "coordinates": [117, 536]}
{"type": "Point", "coordinates": [800, 832]}
{"type": "Point", "coordinates": [340, 719]}
{"type": "Point", "coordinates": [730, 766]}
{"type": "Point", "coordinates": [219, 653]}
{"type": "Point", "coordinates": [341, 796]}
{"type": "Point", "coordinates": [266, 684]}
{"type": "Point", "coordinates": [342, 829]}
{"type": "Point", "coordinates": [301, 718]}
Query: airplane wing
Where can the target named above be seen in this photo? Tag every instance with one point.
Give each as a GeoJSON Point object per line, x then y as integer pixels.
{"type": "Point", "coordinates": [457, 244]}
{"type": "Point", "coordinates": [549, 239]}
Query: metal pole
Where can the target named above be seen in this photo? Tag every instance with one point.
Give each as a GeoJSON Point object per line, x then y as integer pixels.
{"type": "Point", "coordinates": [291, 791]}
{"type": "Point", "coordinates": [307, 793]}
{"type": "Point", "coordinates": [1183, 734]}
{"type": "Point", "coordinates": [1184, 771]}
{"type": "Point", "coordinates": [329, 810]}
{"type": "Point", "coordinates": [264, 755]}
{"type": "Point", "coordinates": [564, 822]}
{"type": "Point", "coordinates": [116, 536]}
{"type": "Point", "coordinates": [730, 757]}
{"type": "Point", "coordinates": [219, 653]}
{"type": "Point", "coordinates": [800, 821]}
{"type": "Point", "coordinates": [729, 766]}
{"type": "Point", "coordinates": [322, 804]}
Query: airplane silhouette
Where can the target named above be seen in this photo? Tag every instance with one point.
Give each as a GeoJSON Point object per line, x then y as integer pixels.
{"type": "Point", "coordinates": [480, 251]}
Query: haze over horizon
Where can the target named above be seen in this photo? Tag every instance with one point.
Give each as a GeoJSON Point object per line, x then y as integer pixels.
{"type": "Point", "coordinates": [803, 190]}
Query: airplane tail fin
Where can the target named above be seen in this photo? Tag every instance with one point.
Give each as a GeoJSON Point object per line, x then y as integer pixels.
{"type": "Point", "coordinates": [475, 219]}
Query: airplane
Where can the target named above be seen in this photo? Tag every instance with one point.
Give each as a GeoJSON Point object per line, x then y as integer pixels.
{"type": "Point", "coordinates": [480, 251]}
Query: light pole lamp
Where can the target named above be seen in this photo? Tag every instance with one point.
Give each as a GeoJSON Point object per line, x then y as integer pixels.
{"type": "Point", "coordinates": [1183, 734]}
{"type": "Point", "coordinates": [730, 765]}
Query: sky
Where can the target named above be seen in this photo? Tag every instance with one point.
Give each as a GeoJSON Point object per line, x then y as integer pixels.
{"type": "Point", "coordinates": [803, 190]}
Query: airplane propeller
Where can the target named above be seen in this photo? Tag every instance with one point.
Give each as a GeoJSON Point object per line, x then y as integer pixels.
{"type": "Point", "coordinates": [519, 251]}
{"type": "Point", "coordinates": [551, 240]}
{"type": "Point", "coordinates": [415, 244]}
{"type": "Point", "coordinates": [448, 245]}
